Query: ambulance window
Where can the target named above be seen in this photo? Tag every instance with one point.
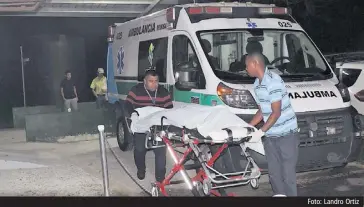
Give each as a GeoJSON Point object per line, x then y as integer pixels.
{"type": "Point", "coordinates": [287, 53]}
{"type": "Point", "coordinates": [300, 53]}
{"type": "Point", "coordinates": [294, 50]}
{"type": "Point", "coordinates": [183, 52]}
{"type": "Point", "coordinates": [153, 55]}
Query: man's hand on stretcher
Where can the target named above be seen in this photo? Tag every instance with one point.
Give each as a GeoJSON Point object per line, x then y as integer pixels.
{"type": "Point", "coordinates": [257, 136]}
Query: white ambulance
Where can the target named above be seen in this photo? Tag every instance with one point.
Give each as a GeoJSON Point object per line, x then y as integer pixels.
{"type": "Point", "coordinates": [199, 50]}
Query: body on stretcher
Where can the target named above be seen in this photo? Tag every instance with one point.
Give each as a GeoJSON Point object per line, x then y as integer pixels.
{"type": "Point", "coordinates": [231, 135]}
{"type": "Point", "coordinates": [208, 180]}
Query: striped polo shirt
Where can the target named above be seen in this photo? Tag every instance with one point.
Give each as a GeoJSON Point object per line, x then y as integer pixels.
{"type": "Point", "coordinates": [139, 97]}
{"type": "Point", "coordinates": [272, 89]}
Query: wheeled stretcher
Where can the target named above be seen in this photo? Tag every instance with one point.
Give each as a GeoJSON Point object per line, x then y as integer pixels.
{"type": "Point", "coordinates": [204, 133]}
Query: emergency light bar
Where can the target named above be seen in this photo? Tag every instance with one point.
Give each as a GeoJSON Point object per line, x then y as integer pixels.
{"type": "Point", "coordinates": [19, 5]}
{"type": "Point", "coordinates": [210, 10]}
{"type": "Point", "coordinates": [198, 13]}
{"type": "Point", "coordinates": [229, 10]}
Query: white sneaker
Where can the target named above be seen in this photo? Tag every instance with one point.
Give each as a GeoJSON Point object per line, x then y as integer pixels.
{"type": "Point", "coordinates": [279, 195]}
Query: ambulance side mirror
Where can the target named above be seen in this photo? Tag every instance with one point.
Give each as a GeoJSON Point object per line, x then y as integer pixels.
{"type": "Point", "coordinates": [186, 77]}
{"type": "Point", "coordinates": [338, 72]}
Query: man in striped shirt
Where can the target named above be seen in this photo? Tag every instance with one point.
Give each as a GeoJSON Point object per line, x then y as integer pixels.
{"type": "Point", "coordinates": [148, 93]}
{"type": "Point", "coordinates": [280, 126]}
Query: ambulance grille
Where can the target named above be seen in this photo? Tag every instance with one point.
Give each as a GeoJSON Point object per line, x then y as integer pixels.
{"type": "Point", "coordinates": [324, 129]}
{"type": "Point", "coordinates": [318, 142]}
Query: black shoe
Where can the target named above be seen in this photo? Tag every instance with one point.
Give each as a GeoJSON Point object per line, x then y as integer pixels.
{"type": "Point", "coordinates": [141, 175]}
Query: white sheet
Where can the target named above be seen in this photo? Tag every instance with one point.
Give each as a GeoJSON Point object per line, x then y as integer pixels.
{"type": "Point", "coordinates": [208, 120]}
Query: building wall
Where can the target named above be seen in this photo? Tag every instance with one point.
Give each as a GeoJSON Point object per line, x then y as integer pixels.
{"type": "Point", "coordinates": [55, 44]}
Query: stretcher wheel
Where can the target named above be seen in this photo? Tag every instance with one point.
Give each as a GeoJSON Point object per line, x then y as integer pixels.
{"type": "Point", "coordinates": [206, 187]}
{"type": "Point", "coordinates": [254, 183]}
{"type": "Point", "coordinates": [155, 191]}
{"type": "Point", "coordinates": [198, 190]}
{"type": "Point", "coordinates": [207, 153]}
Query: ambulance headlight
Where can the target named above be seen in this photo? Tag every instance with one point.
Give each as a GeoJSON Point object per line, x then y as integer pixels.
{"type": "Point", "coordinates": [360, 95]}
{"type": "Point", "coordinates": [344, 92]}
{"type": "Point", "coordinates": [242, 99]}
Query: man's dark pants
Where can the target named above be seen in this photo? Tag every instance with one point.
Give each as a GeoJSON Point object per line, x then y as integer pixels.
{"type": "Point", "coordinates": [282, 156]}
{"type": "Point", "coordinates": [100, 101]}
{"type": "Point", "coordinates": [139, 156]}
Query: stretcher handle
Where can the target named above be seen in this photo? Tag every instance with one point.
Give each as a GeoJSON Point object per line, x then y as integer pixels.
{"type": "Point", "coordinates": [128, 120]}
{"type": "Point", "coordinates": [163, 117]}
{"type": "Point", "coordinates": [136, 112]}
{"type": "Point", "coordinates": [230, 139]}
{"type": "Point", "coordinates": [126, 113]}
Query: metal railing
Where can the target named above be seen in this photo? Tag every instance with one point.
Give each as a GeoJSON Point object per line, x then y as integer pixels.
{"type": "Point", "coordinates": [105, 172]}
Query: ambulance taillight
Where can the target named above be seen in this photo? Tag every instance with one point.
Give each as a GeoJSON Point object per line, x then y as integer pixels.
{"type": "Point", "coordinates": [111, 33]}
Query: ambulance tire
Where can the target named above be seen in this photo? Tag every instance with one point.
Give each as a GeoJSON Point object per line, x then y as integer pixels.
{"type": "Point", "coordinates": [124, 138]}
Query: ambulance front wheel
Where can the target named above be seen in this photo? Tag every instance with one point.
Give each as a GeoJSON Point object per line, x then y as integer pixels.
{"type": "Point", "coordinates": [124, 138]}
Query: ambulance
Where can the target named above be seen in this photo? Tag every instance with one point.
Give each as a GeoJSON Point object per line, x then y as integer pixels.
{"type": "Point", "coordinates": [199, 52]}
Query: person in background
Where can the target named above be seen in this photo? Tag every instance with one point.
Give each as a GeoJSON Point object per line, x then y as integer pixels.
{"type": "Point", "coordinates": [99, 88]}
{"type": "Point", "coordinates": [280, 126]}
{"type": "Point", "coordinates": [148, 93]}
{"type": "Point", "coordinates": [69, 92]}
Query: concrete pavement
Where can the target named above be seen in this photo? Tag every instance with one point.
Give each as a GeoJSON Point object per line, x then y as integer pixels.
{"type": "Point", "coordinates": [74, 169]}
{"type": "Point", "coordinates": [56, 169]}
{"type": "Point", "coordinates": [337, 182]}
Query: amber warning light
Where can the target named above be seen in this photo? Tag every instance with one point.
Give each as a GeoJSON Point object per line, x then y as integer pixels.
{"type": "Point", "coordinates": [222, 90]}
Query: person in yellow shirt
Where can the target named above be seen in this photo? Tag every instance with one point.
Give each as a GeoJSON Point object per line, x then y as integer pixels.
{"type": "Point", "coordinates": [99, 88]}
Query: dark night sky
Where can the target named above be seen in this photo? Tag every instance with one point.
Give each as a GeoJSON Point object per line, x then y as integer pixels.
{"type": "Point", "coordinates": [340, 23]}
